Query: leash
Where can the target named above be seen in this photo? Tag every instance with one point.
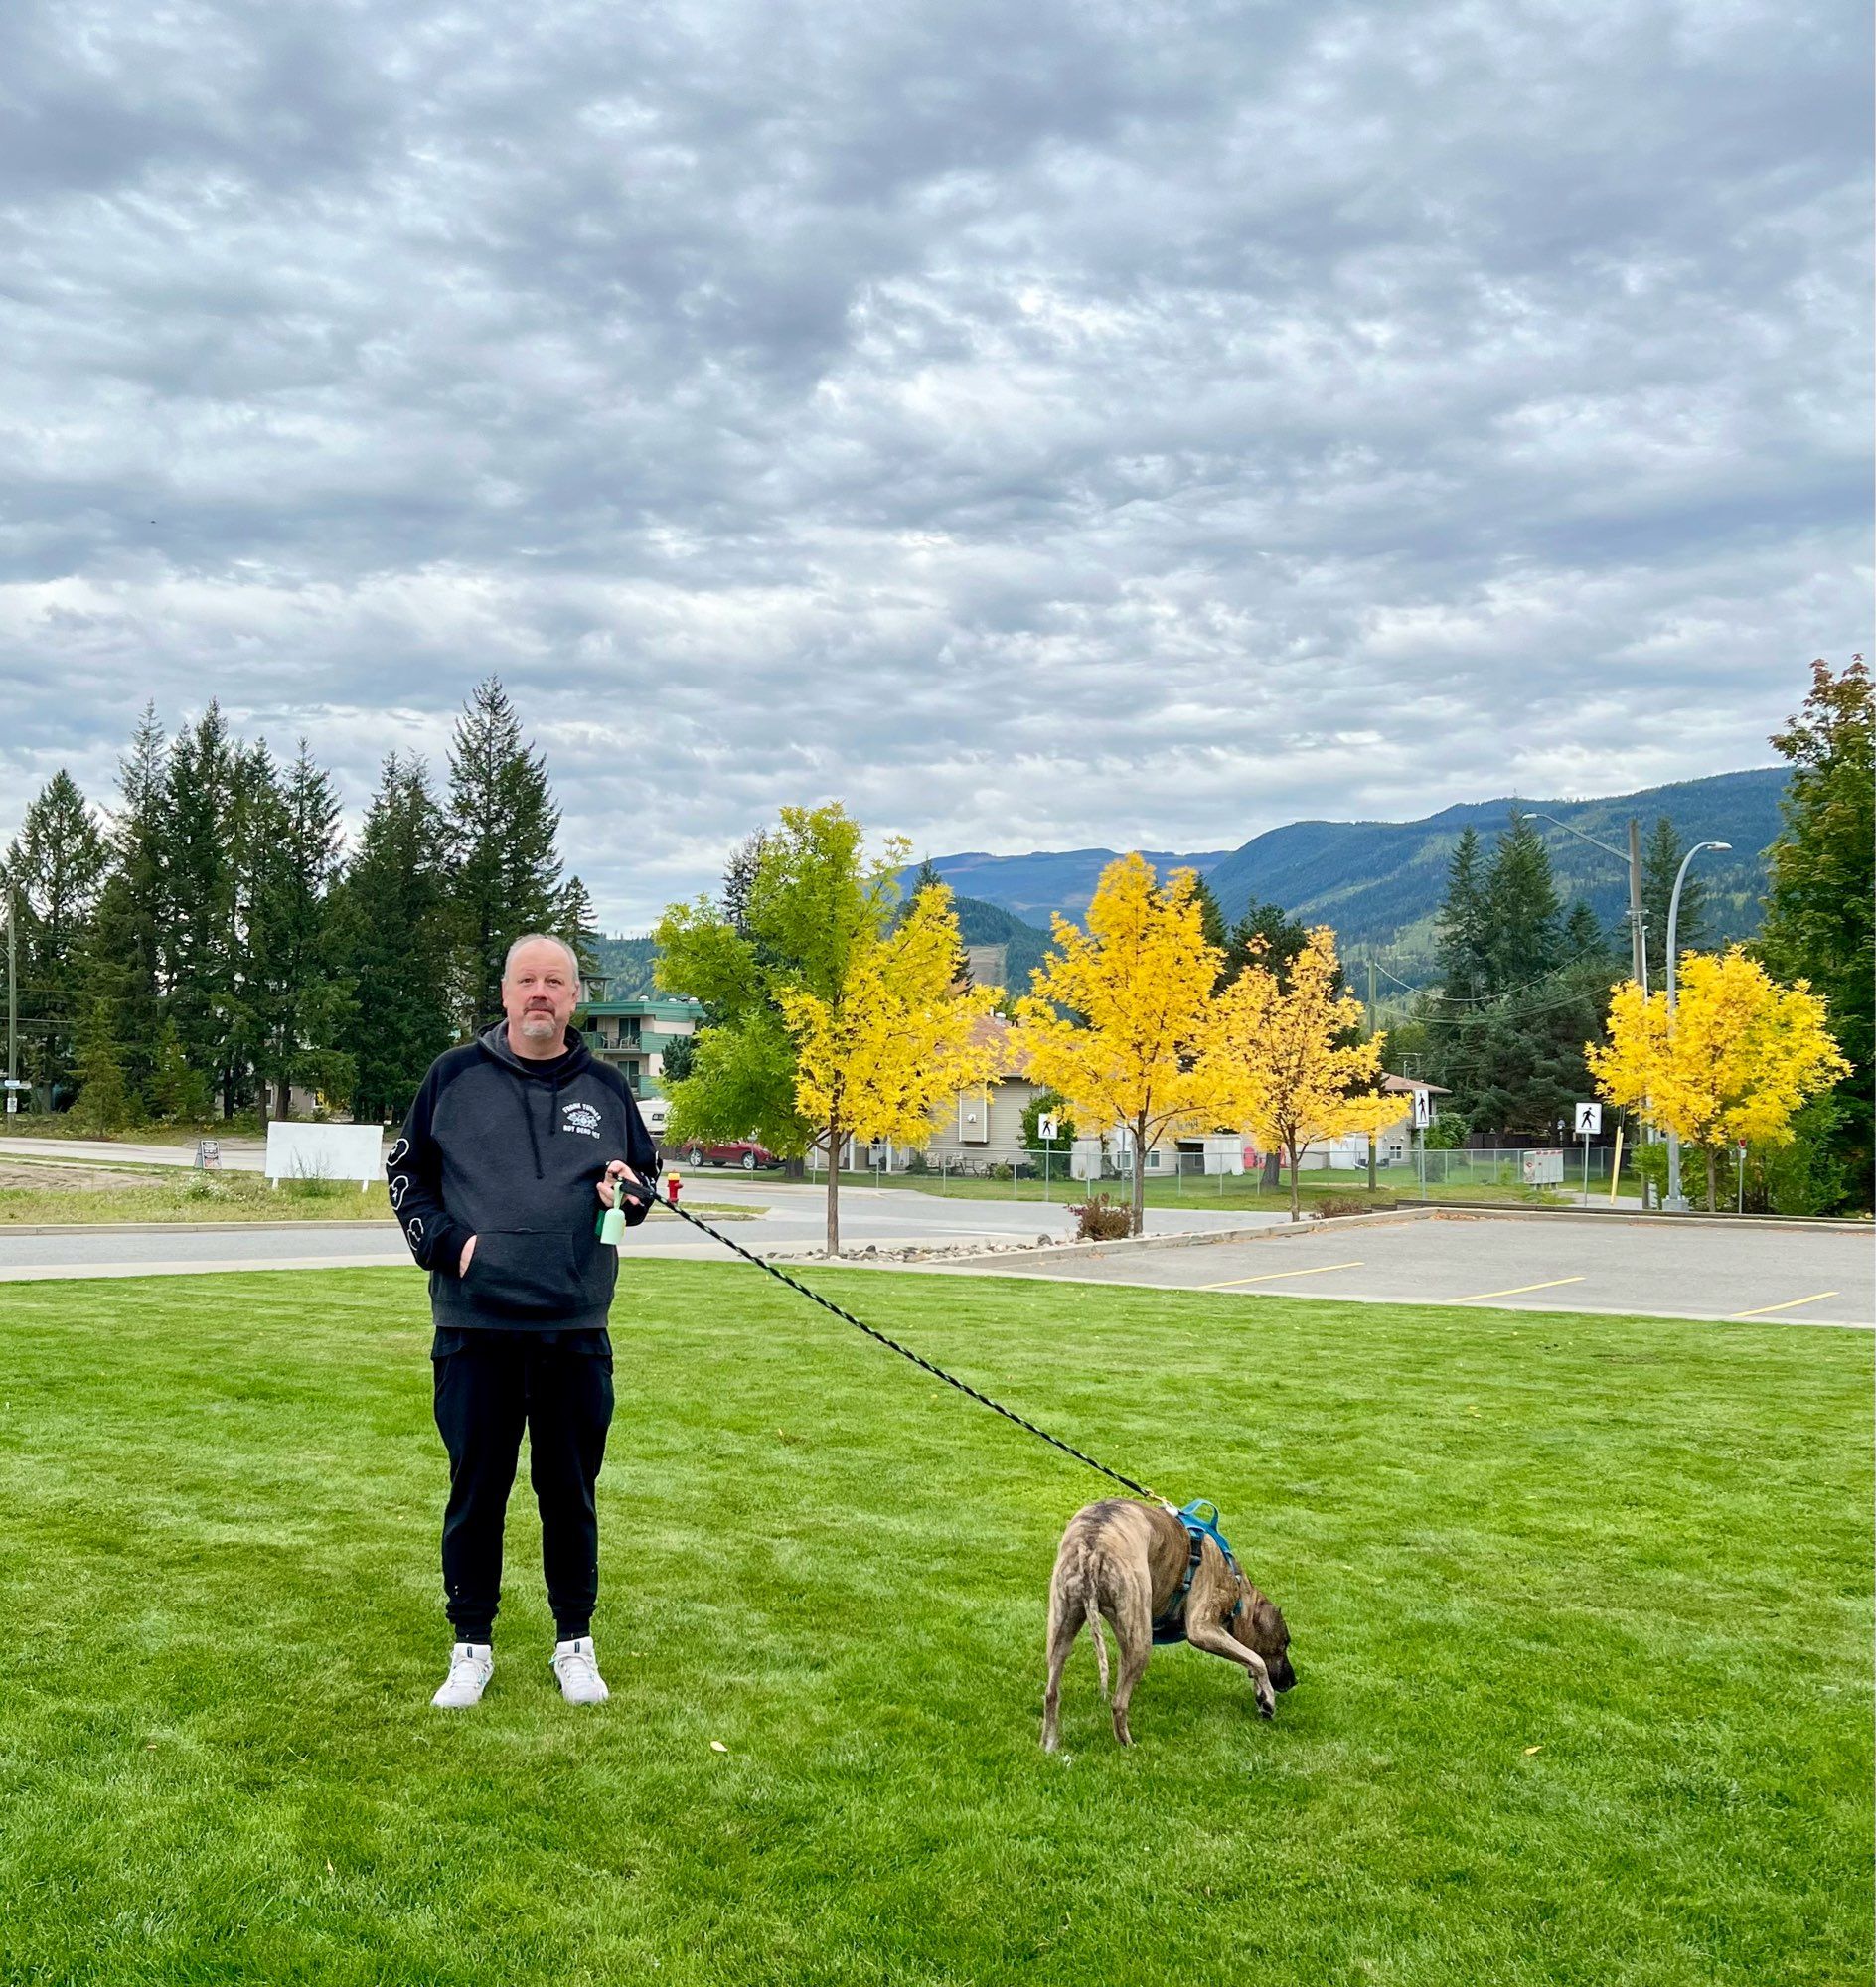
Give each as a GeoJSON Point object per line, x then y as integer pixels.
{"type": "Point", "coordinates": [905, 1353]}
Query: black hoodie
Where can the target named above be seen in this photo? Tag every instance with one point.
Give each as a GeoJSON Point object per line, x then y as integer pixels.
{"type": "Point", "coordinates": [510, 1150]}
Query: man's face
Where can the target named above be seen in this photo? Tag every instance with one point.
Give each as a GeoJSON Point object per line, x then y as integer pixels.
{"type": "Point", "coordinates": [540, 992]}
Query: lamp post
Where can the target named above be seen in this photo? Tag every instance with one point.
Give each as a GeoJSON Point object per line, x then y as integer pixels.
{"type": "Point", "coordinates": [1677, 1202]}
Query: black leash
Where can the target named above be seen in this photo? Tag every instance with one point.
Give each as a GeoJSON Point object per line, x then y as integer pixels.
{"type": "Point", "coordinates": [905, 1353]}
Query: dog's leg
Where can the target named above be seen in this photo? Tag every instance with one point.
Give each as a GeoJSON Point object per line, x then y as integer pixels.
{"type": "Point", "coordinates": [1132, 1617]}
{"type": "Point", "coordinates": [1065, 1624]}
{"type": "Point", "coordinates": [1217, 1640]}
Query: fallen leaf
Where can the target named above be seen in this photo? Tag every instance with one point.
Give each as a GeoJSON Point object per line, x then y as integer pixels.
{"type": "Point", "coordinates": [1529, 1749]}
{"type": "Point", "coordinates": [330, 1871]}
{"type": "Point", "coordinates": [717, 1746]}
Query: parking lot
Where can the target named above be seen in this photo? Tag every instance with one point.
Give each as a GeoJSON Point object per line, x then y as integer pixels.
{"type": "Point", "coordinates": [1653, 1267]}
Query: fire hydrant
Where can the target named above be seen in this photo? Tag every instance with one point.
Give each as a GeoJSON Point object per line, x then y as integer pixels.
{"type": "Point", "coordinates": [674, 1186]}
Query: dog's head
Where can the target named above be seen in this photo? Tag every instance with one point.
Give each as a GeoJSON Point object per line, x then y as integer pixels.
{"type": "Point", "coordinates": [1260, 1625]}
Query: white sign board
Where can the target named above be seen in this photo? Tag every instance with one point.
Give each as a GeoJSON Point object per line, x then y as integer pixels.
{"type": "Point", "coordinates": [1543, 1168]}
{"type": "Point", "coordinates": [325, 1152]}
{"type": "Point", "coordinates": [1423, 1109]}
{"type": "Point", "coordinates": [1589, 1120]}
{"type": "Point", "coordinates": [1048, 1128]}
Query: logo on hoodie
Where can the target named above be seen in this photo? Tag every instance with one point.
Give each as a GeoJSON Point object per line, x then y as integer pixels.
{"type": "Point", "coordinates": [582, 1118]}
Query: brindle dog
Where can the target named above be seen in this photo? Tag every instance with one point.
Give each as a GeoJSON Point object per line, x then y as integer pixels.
{"type": "Point", "coordinates": [1125, 1560]}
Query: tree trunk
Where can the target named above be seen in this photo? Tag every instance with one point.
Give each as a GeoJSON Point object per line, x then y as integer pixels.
{"type": "Point", "coordinates": [1140, 1176]}
{"type": "Point", "coordinates": [834, 1185]}
{"type": "Point", "coordinates": [1370, 1161]}
{"type": "Point", "coordinates": [284, 1100]}
{"type": "Point", "coordinates": [1712, 1181]}
{"type": "Point", "coordinates": [1295, 1198]}
{"type": "Point", "coordinates": [1273, 1168]}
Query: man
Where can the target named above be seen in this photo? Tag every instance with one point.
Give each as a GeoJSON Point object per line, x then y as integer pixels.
{"type": "Point", "coordinates": [513, 1144]}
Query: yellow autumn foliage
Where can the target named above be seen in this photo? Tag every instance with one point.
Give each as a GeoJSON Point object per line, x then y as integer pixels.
{"type": "Point", "coordinates": [1288, 1072]}
{"type": "Point", "coordinates": [1139, 983]}
{"type": "Point", "coordinates": [899, 1038]}
{"type": "Point", "coordinates": [1741, 1056]}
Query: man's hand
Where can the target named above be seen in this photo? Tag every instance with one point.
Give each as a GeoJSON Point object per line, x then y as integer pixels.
{"type": "Point", "coordinates": [462, 1261]}
{"type": "Point", "coordinates": [607, 1191]}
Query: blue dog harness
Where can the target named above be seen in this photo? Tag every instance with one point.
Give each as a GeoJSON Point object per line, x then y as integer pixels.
{"type": "Point", "coordinates": [1170, 1624]}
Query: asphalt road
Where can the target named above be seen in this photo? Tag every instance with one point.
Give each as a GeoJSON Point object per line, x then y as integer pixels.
{"type": "Point", "coordinates": [785, 1217]}
{"type": "Point", "coordinates": [1649, 1267]}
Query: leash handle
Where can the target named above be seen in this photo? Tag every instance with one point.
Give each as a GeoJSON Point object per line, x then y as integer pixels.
{"type": "Point", "coordinates": [923, 1365]}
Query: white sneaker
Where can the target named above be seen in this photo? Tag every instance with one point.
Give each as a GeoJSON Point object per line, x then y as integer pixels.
{"type": "Point", "coordinates": [471, 1665]}
{"type": "Point", "coordinates": [577, 1670]}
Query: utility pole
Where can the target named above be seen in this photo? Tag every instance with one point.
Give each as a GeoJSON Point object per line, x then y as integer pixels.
{"type": "Point", "coordinates": [1677, 1202]}
{"type": "Point", "coordinates": [1638, 931]}
{"type": "Point", "coordinates": [1370, 1039]}
{"type": "Point", "coordinates": [12, 996]}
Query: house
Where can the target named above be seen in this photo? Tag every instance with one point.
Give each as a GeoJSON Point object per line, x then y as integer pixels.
{"type": "Point", "coordinates": [1393, 1143]}
{"type": "Point", "coordinates": [633, 1033]}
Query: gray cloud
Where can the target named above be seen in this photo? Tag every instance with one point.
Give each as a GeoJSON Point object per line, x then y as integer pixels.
{"type": "Point", "coordinates": [1041, 427]}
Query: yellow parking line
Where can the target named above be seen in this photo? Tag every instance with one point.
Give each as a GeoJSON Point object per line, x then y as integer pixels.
{"type": "Point", "coordinates": [1276, 1276]}
{"type": "Point", "coordinates": [1793, 1305]}
{"type": "Point", "coordinates": [1478, 1297]}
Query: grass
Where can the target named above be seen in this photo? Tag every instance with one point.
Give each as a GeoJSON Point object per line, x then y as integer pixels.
{"type": "Point", "coordinates": [1582, 1613]}
{"type": "Point", "coordinates": [230, 1196]}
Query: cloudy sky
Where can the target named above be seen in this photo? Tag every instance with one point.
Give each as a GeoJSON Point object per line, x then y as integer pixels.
{"type": "Point", "coordinates": [1037, 425]}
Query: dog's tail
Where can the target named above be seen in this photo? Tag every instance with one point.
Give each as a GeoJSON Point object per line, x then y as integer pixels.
{"type": "Point", "coordinates": [1100, 1644]}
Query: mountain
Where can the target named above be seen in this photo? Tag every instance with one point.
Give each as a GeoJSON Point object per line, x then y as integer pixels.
{"type": "Point", "coordinates": [1023, 945]}
{"type": "Point", "coordinates": [1035, 885]}
{"type": "Point", "coordinates": [1379, 882]}
{"type": "Point", "coordinates": [627, 964]}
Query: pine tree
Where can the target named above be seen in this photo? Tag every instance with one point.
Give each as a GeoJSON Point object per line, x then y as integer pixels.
{"type": "Point", "coordinates": [125, 960]}
{"type": "Point", "coordinates": [393, 933]}
{"type": "Point", "coordinates": [1211, 917]}
{"type": "Point", "coordinates": [1268, 935]}
{"type": "Point", "coordinates": [177, 1094]}
{"type": "Point", "coordinates": [195, 938]}
{"type": "Point", "coordinates": [505, 874]}
{"type": "Point", "coordinates": [1584, 939]}
{"type": "Point", "coordinates": [103, 1103]}
{"type": "Point", "coordinates": [928, 878]}
{"type": "Point", "coordinates": [574, 923]}
{"type": "Point", "coordinates": [1463, 925]}
{"type": "Point", "coordinates": [1660, 865]}
{"type": "Point", "coordinates": [1521, 909]}
{"type": "Point", "coordinates": [301, 994]}
{"type": "Point", "coordinates": [52, 875]}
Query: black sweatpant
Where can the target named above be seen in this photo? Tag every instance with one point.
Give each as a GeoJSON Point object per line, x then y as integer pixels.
{"type": "Point", "coordinates": [488, 1386]}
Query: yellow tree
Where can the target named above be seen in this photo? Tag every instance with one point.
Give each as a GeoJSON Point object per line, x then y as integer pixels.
{"type": "Point", "coordinates": [1137, 986]}
{"type": "Point", "coordinates": [1288, 1060]}
{"type": "Point", "coordinates": [1739, 1057]}
{"type": "Point", "coordinates": [893, 1038]}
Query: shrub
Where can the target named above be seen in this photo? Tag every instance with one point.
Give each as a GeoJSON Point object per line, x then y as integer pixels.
{"type": "Point", "coordinates": [1101, 1219]}
{"type": "Point", "coordinates": [918, 1164]}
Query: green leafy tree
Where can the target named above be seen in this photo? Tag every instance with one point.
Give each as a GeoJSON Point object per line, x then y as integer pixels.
{"type": "Point", "coordinates": [505, 874]}
{"type": "Point", "coordinates": [1048, 1104]}
{"type": "Point", "coordinates": [1464, 925]}
{"type": "Point", "coordinates": [1661, 857]}
{"type": "Point", "coordinates": [1819, 911]}
{"type": "Point", "coordinates": [395, 933]}
{"type": "Point", "coordinates": [53, 876]}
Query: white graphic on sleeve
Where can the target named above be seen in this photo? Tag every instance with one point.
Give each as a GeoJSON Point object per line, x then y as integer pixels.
{"type": "Point", "coordinates": [398, 1152]}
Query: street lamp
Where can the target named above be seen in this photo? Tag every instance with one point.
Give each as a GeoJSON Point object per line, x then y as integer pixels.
{"type": "Point", "coordinates": [1677, 1202]}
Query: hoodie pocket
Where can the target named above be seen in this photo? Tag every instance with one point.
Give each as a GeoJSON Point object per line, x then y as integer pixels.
{"type": "Point", "coordinates": [523, 1273]}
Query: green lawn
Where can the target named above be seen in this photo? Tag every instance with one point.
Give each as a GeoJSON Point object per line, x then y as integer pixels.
{"type": "Point", "coordinates": [1582, 1615]}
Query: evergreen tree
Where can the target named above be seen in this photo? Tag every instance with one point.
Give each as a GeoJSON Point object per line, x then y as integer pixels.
{"type": "Point", "coordinates": [505, 874]}
{"type": "Point", "coordinates": [1211, 917]}
{"type": "Point", "coordinates": [194, 939]}
{"type": "Point", "coordinates": [1269, 934]}
{"type": "Point", "coordinates": [299, 996]}
{"type": "Point", "coordinates": [1463, 925]}
{"type": "Point", "coordinates": [739, 874]}
{"type": "Point", "coordinates": [1819, 911]}
{"type": "Point", "coordinates": [393, 933]}
{"type": "Point", "coordinates": [1661, 863]}
{"type": "Point", "coordinates": [1521, 910]}
{"type": "Point", "coordinates": [1584, 939]}
{"type": "Point", "coordinates": [574, 923]}
{"type": "Point", "coordinates": [928, 878]}
{"type": "Point", "coordinates": [53, 876]}
{"type": "Point", "coordinates": [103, 1103]}
{"type": "Point", "coordinates": [176, 1094]}
{"type": "Point", "coordinates": [125, 963]}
